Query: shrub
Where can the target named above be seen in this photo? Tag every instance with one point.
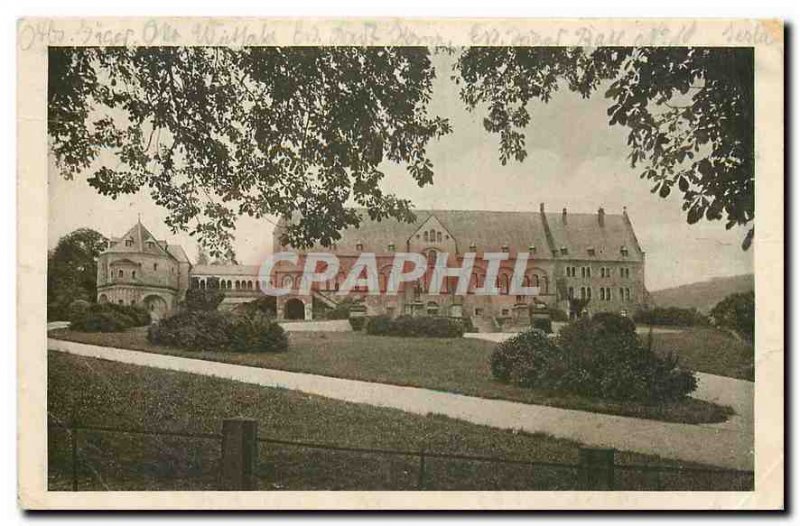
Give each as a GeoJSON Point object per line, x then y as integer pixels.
{"type": "Point", "coordinates": [529, 359]}
{"type": "Point", "coordinates": [340, 312]}
{"type": "Point", "coordinates": [265, 305]}
{"type": "Point", "coordinates": [598, 357]}
{"type": "Point", "coordinates": [358, 322]}
{"type": "Point", "coordinates": [737, 312]}
{"type": "Point", "coordinates": [671, 316]}
{"type": "Point", "coordinates": [108, 317]}
{"type": "Point", "coordinates": [557, 314]}
{"type": "Point", "coordinates": [203, 299]}
{"type": "Point", "coordinates": [379, 325]}
{"type": "Point", "coordinates": [193, 329]}
{"type": "Point", "coordinates": [466, 323]}
{"type": "Point", "coordinates": [219, 331]}
{"type": "Point", "coordinates": [543, 324]}
{"type": "Point", "coordinates": [257, 333]}
{"type": "Point", "coordinates": [78, 308]}
{"type": "Point", "coordinates": [408, 326]}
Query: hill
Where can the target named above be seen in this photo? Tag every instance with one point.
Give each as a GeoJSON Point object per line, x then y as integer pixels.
{"type": "Point", "coordinates": [702, 295]}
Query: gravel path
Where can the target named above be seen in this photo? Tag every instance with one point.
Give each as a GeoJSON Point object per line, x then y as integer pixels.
{"type": "Point", "coordinates": [728, 445]}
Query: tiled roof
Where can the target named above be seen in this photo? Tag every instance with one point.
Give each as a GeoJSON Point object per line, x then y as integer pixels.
{"type": "Point", "coordinates": [489, 231]}
{"type": "Point", "coordinates": [178, 253]}
{"type": "Point", "coordinates": [139, 235]}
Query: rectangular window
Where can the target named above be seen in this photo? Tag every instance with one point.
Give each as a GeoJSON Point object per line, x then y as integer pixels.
{"type": "Point", "coordinates": [505, 312]}
{"type": "Point", "coordinates": [627, 294]}
{"type": "Point", "coordinates": [155, 266]}
{"type": "Point", "coordinates": [621, 293]}
{"type": "Point", "coordinates": [588, 272]}
{"type": "Point", "coordinates": [588, 293]}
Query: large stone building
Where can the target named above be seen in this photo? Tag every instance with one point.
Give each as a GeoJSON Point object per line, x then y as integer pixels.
{"type": "Point", "coordinates": [590, 256]}
{"type": "Point", "coordinates": [139, 269]}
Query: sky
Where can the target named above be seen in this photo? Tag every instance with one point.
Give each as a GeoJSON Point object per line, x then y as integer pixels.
{"type": "Point", "coordinates": [575, 160]}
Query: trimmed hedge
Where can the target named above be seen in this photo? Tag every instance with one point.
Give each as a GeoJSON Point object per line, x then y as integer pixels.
{"type": "Point", "coordinates": [108, 317]}
{"type": "Point", "coordinates": [543, 324]}
{"type": "Point", "coordinates": [601, 357]}
{"type": "Point", "coordinates": [358, 322]}
{"type": "Point", "coordinates": [419, 326]}
{"type": "Point", "coordinates": [219, 331]}
{"type": "Point", "coordinates": [671, 316]}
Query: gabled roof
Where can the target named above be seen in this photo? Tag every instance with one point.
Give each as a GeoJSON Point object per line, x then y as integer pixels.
{"type": "Point", "coordinates": [142, 242]}
{"type": "Point", "coordinates": [582, 232]}
{"type": "Point", "coordinates": [178, 253]}
{"type": "Point", "coordinates": [489, 231]}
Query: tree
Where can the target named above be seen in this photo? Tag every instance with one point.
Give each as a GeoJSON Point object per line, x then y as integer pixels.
{"type": "Point", "coordinates": [689, 112]}
{"type": "Point", "coordinates": [72, 270]}
{"type": "Point", "coordinates": [214, 133]}
{"type": "Point", "coordinates": [737, 312]}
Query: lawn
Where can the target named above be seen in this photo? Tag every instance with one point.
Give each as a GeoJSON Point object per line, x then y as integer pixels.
{"type": "Point", "coordinates": [708, 350]}
{"type": "Point", "coordinates": [454, 365]}
{"type": "Point", "coordinates": [108, 394]}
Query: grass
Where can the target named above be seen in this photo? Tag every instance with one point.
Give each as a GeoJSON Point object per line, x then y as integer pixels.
{"type": "Point", "coordinates": [108, 394]}
{"type": "Point", "coordinates": [453, 365]}
{"type": "Point", "coordinates": [710, 351]}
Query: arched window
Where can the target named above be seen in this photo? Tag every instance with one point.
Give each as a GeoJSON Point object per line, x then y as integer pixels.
{"type": "Point", "coordinates": [571, 292]}
{"type": "Point", "coordinates": [433, 235]}
{"type": "Point", "coordinates": [121, 273]}
{"type": "Point", "coordinates": [536, 280]}
{"type": "Point", "coordinates": [425, 236]}
{"type": "Point", "coordinates": [203, 284]}
{"type": "Point", "coordinates": [230, 285]}
{"type": "Point", "coordinates": [133, 274]}
{"type": "Point", "coordinates": [503, 283]}
{"type": "Point", "coordinates": [249, 285]}
{"type": "Point", "coordinates": [238, 284]}
{"type": "Point", "coordinates": [439, 237]}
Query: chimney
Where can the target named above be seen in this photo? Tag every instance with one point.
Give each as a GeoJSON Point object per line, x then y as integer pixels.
{"type": "Point", "coordinates": [601, 216]}
{"type": "Point", "coordinates": [541, 208]}
{"type": "Point", "coordinates": [564, 216]}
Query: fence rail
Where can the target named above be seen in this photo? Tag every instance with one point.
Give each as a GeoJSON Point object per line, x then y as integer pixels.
{"type": "Point", "coordinates": [595, 470]}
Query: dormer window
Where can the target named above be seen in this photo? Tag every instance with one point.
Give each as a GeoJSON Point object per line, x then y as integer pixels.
{"type": "Point", "coordinates": [532, 249]}
{"type": "Point", "coordinates": [623, 250]}
{"type": "Point", "coordinates": [359, 246]}
{"type": "Point", "coordinates": [472, 247]}
{"type": "Point", "coordinates": [129, 242]}
{"type": "Point", "coordinates": [391, 247]}
{"type": "Point", "coordinates": [591, 251]}
{"type": "Point", "coordinates": [150, 244]}
{"type": "Point", "coordinates": [564, 251]}
{"type": "Point", "coordinates": [504, 248]}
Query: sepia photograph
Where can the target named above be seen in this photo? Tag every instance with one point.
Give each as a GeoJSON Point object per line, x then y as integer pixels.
{"type": "Point", "coordinates": [510, 265]}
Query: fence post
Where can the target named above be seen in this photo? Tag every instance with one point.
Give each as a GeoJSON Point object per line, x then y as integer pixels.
{"type": "Point", "coordinates": [421, 480]}
{"type": "Point", "coordinates": [596, 469]}
{"type": "Point", "coordinates": [239, 454]}
{"type": "Point", "coordinates": [73, 442]}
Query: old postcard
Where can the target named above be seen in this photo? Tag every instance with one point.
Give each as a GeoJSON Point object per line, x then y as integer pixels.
{"type": "Point", "coordinates": [400, 264]}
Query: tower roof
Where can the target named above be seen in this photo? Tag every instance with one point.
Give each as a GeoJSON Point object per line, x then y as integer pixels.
{"type": "Point", "coordinates": [139, 240]}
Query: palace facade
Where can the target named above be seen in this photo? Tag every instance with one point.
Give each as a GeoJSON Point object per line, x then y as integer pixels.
{"type": "Point", "coordinates": [590, 256]}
